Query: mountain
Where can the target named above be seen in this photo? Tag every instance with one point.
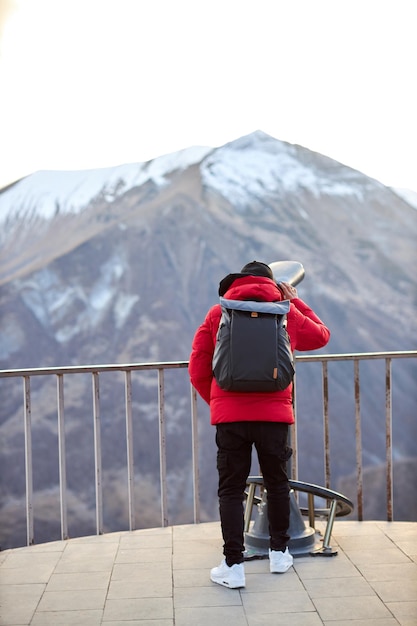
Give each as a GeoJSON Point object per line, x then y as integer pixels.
{"type": "Point", "coordinates": [121, 265]}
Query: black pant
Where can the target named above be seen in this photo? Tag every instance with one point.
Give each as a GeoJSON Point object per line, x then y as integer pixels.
{"type": "Point", "coordinates": [234, 455]}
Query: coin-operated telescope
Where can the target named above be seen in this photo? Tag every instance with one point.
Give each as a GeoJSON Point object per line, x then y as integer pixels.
{"type": "Point", "coordinates": [291, 272]}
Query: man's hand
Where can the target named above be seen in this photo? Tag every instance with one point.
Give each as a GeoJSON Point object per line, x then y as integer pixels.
{"type": "Point", "coordinates": [288, 291]}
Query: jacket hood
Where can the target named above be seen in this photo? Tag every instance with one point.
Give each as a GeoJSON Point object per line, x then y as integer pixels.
{"type": "Point", "coordinates": [253, 288]}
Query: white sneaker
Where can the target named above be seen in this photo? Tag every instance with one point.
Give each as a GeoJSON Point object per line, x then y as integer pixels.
{"type": "Point", "coordinates": [232, 577]}
{"type": "Point", "coordinates": [279, 562]}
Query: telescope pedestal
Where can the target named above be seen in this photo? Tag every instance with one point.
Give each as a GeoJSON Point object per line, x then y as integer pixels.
{"type": "Point", "coordinates": [304, 539]}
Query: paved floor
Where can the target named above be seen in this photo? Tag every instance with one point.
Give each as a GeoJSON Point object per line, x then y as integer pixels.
{"type": "Point", "coordinates": [160, 577]}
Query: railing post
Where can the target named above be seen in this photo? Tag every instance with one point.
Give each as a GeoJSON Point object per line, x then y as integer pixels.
{"type": "Point", "coordinates": [162, 447]}
{"type": "Point", "coordinates": [388, 438]}
{"type": "Point", "coordinates": [326, 434]}
{"type": "Point", "coordinates": [97, 454]}
{"type": "Point", "coordinates": [62, 457]}
{"type": "Point", "coordinates": [358, 437]}
{"type": "Point", "coordinates": [129, 444]}
{"type": "Point", "coordinates": [293, 442]}
{"type": "Point", "coordinates": [28, 461]}
{"type": "Point", "coordinates": [194, 438]}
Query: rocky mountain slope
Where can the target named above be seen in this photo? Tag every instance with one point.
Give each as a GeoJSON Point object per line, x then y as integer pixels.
{"type": "Point", "coordinates": [120, 265]}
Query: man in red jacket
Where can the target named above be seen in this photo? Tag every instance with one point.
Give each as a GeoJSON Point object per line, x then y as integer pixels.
{"type": "Point", "coordinates": [244, 419]}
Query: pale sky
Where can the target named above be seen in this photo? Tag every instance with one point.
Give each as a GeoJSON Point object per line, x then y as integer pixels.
{"type": "Point", "coordinates": [96, 83]}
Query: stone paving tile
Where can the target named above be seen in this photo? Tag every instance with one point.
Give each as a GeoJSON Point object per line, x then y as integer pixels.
{"type": "Point", "coordinates": [409, 547]}
{"type": "Point", "coordinates": [18, 603]}
{"type": "Point", "coordinates": [365, 542]}
{"type": "Point", "coordinates": [78, 581]}
{"type": "Point", "coordinates": [139, 571]}
{"type": "Point", "coordinates": [338, 566]}
{"type": "Point", "coordinates": [210, 616]}
{"type": "Point", "coordinates": [85, 551]}
{"type": "Point", "coordinates": [277, 602]}
{"type": "Point", "coordinates": [206, 597]}
{"type": "Point", "coordinates": [284, 619]}
{"type": "Point", "coordinates": [396, 591]}
{"type": "Point", "coordinates": [204, 546]}
{"type": "Point", "coordinates": [68, 618]}
{"type": "Point", "coordinates": [388, 621]}
{"type": "Point", "coordinates": [72, 600]}
{"type": "Point", "coordinates": [134, 608]}
{"type": "Point", "coordinates": [35, 573]}
{"type": "Point", "coordinates": [403, 534]}
{"type": "Point", "coordinates": [392, 555]}
{"type": "Point", "coordinates": [157, 586]}
{"type": "Point", "coordinates": [140, 622]}
{"type": "Point", "coordinates": [199, 531]}
{"type": "Point", "coordinates": [344, 528]}
{"type": "Point", "coordinates": [337, 587]}
{"type": "Point", "coordinates": [26, 560]}
{"type": "Point", "coordinates": [96, 564]}
{"type": "Point", "coordinates": [144, 555]}
{"type": "Point", "coordinates": [348, 607]}
{"type": "Point", "coordinates": [191, 577]}
{"type": "Point", "coordinates": [156, 530]}
{"type": "Point", "coordinates": [404, 612]}
{"type": "Point", "coordinates": [396, 529]}
{"type": "Point", "coordinates": [146, 541]}
{"type": "Point", "coordinates": [189, 561]}
{"type": "Point", "coordinates": [394, 571]}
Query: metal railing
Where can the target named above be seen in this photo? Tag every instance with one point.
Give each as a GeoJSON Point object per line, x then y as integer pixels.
{"type": "Point", "coordinates": [95, 370]}
{"type": "Point", "coordinates": [357, 358]}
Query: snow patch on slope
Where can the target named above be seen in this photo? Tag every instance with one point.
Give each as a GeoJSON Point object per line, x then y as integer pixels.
{"type": "Point", "coordinates": [47, 193]}
{"type": "Point", "coordinates": [66, 310]}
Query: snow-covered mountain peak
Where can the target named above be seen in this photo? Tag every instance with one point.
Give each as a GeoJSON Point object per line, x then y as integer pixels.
{"type": "Point", "coordinates": [257, 164]}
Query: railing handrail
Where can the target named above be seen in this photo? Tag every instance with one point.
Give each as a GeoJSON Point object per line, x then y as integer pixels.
{"type": "Point", "coordinates": [127, 368]}
{"type": "Point", "coordinates": [360, 356]}
{"type": "Point", "coordinates": [90, 369]}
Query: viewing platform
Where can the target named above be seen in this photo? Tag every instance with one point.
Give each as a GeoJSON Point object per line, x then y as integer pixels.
{"type": "Point", "coordinates": [160, 577]}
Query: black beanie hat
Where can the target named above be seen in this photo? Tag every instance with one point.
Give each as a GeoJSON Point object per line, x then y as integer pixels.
{"type": "Point", "coordinates": [254, 268]}
{"type": "Point", "coordinates": [257, 268]}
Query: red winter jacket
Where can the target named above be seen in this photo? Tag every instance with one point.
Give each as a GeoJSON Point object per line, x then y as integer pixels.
{"type": "Point", "coordinates": [306, 331]}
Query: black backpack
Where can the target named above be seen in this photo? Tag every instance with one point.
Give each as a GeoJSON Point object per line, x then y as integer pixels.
{"type": "Point", "coordinates": [253, 351]}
